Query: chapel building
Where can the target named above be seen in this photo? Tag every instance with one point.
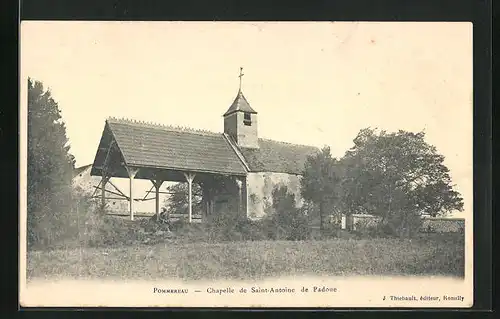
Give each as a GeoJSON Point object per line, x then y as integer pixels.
{"type": "Point", "coordinates": [139, 150]}
{"type": "Point", "coordinates": [268, 163]}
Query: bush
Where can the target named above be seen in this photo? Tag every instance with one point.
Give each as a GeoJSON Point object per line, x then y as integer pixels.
{"type": "Point", "coordinates": [113, 231]}
{"type": "Point", "coordinates": [227, 226]}
{"type": "Point", "coordinates": [87, 225]}
{"type": "Point", "coordinates": [401, 225]}
{"type": "Point", "coordinates": [251, 230]}
{"type": "Point", "coordinates": [97, 229]}
{"type": "Point", "coordinates": [220, 227]}
{"type": "Point", "coordinates": [330, 231]}
{"type": "Point", "coordinates": [285, 221]}
{"type": "Point", "coordinates": [154, 224]}
{"type": "Point", "coordinates": [51, 228]}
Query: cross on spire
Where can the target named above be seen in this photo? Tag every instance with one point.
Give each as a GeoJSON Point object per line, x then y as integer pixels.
{"type": "Point", "coordinates": [240, 76]}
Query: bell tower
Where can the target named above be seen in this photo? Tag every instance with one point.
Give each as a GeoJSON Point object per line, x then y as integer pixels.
{"type": "Point", "coordinates": [240, 121]}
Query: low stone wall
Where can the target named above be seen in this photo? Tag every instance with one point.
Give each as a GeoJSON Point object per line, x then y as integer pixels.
{"type": "Point", "coordinates": [443, 225]}
{"type": "Point", "coordinates": [365, 220]}
{"type": "Point", "coordinates": [429, 224]}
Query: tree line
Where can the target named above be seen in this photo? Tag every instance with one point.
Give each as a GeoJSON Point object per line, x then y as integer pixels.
{"type": "Point", "coordinates": [396, 176]}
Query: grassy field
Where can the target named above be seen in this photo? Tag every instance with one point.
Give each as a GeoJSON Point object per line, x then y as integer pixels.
{"type": "Point", "coordinates": [441, 254]}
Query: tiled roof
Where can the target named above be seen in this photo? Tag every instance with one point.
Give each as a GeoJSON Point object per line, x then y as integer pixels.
{"type": "Point", "coordinates": [240, 103]}
{"type": "Point", "coordinates": [278, 157]}
{"type": "Point", "coordinates": [145, 144]}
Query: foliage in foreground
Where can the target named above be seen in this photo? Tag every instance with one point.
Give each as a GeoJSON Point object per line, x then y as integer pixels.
{"type": "Point", "coordinates": [93, 228]}
{"type": "Point", "coordinates": [434, 255]}
{"type": "Point", "coordinates": [90, 226]}
{"type": "Point", "coordinates": [285, 220]}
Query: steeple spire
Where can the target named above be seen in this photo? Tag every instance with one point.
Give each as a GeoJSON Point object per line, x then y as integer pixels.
{"type": "Point", "coordinates": [240, 103]}
{"type": "Point", "coordinates": [240, 121]}
{"type": "Point", "coordinates": [240, 76]}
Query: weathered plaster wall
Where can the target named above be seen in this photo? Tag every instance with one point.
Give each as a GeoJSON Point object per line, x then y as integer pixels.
{"type": "Point", "coordinates": [260, 187]}
{"type": "Point", "coordinates": [85, 183]}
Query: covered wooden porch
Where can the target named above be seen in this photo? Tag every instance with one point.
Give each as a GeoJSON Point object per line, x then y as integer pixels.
{"type": "Point", "coordinates": [210, 184]}
{"type": "Point", "coordinates": [142, 151]}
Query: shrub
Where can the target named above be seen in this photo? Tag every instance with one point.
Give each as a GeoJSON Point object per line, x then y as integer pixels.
{"type": "Point", "coordinates": [163, 222]}
{"type": "Point", "coordinates": [52, 228]}
{"type": "Point", "coordinates": [96, 229]}
{"type": "Point", "coordinates": [227, 226]}
{"type": "Point", "coordinates": [286, 221]}
{"type": "Point", "coordinates": [330, 231]}
{"type": "Point", "coordinates": [220, 227]}
{"type": "Point", "coordinates": [92, 227]}
{"type": "Point", "coordinates": [113, 231]}
{"type": "Point", "coordinates": [251, 230]}
{"type": "Point", "coordinates": [404, 224]}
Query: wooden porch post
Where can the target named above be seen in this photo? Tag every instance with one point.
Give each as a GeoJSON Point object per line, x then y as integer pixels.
{"type": "Point", "coordinates": [245, 201]}
{"type": "Point", "coordinates": [239, 182]}
{"type": "Point", "coordinates": [157, 183]}
{"type": "Point", "coordinates": [189, 178]}
{"type": "Point", "coordinates": [206, 199]}
{"type": "Point", "coordinates": [104, 181]}
{"type": "Point", "coordinates": [132, 172]}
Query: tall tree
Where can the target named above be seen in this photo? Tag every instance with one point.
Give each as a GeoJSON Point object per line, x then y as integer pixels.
{"type": "Point", "coordinates": [320, 183]}
{"type": "Point", "coordinates": [398, 177]}
{"type": "Point", "coordinates": [50, 165]}
{"type": "Point", "coordinates": [177, 202]}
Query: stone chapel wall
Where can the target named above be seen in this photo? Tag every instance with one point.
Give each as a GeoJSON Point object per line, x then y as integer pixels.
{"type": "Point", "coordinates": [260, 187]}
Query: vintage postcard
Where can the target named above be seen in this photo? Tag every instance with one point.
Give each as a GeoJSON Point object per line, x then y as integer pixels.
{"type": "Point", "coordinates": [246, 164]}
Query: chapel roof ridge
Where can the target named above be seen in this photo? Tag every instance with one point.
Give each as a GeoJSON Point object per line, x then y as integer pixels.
{"type": "Point", "coordinates": [287, 143]}
{"type": "Point", "coordinates": [156, 125]}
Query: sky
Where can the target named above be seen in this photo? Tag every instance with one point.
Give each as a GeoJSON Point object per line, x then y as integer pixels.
{"type": "Point", "coordinates": [315, 83]}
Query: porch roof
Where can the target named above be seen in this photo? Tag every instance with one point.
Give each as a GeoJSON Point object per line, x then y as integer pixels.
{"type": "Point", "coordinates": [155, 146]}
